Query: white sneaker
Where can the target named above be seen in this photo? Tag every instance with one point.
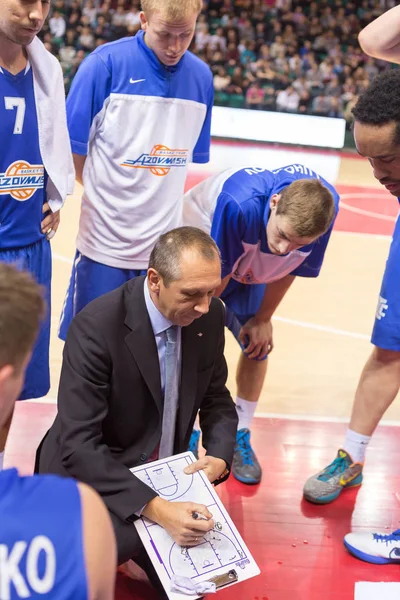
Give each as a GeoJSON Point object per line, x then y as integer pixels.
{"type": "Point", "coordinates": [377, 548]}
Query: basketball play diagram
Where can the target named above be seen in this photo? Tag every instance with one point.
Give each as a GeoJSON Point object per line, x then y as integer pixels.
{"type": "Point", "coordinates": [221, 549]}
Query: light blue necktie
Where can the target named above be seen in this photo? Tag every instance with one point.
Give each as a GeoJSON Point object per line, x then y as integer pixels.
{"type": "Point", "coordinates": [171, 394]}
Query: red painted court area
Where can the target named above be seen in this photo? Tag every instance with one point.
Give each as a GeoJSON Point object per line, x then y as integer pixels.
{"type": "Point", "coordinates": [366, 210]}
{"type": "Point", "coordinates": [297, 546]}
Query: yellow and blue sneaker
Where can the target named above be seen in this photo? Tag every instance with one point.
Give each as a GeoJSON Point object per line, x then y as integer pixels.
{"type": "Point", "coordinates": [326, 486]}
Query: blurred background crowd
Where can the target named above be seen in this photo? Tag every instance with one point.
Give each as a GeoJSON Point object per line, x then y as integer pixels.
{"type": "Point", "coordinates": [294, 56]}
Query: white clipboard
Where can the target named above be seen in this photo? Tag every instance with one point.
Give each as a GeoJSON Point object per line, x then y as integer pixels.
{"type": "Point", "coordinates": [223, 557]}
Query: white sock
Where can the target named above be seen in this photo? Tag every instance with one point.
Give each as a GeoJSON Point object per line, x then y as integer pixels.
{"type": "Point", "coordinates": [245, 411]}
{"type": "Point", "coordinates": [356, 445]}
{"type": "Point", "coordinates": [1, 460]}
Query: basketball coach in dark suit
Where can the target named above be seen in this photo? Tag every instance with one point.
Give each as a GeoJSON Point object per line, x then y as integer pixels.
{"type": "Point", "coordinates": [138, 365]}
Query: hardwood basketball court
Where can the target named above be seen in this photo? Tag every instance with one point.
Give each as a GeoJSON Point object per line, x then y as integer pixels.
{"type": "Point", "coordinates": [321, 335]}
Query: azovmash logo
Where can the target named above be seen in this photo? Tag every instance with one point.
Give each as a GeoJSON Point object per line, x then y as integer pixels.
{"type": "Point", "coordinates": [21, 180]}
{"type": "Point", "coordinates": [160, 160]}
{"type": "Point", "coordinates": [247, 277]}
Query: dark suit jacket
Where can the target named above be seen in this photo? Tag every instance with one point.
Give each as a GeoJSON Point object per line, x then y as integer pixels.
{"type": "Point", "coordinates": [110, 404]}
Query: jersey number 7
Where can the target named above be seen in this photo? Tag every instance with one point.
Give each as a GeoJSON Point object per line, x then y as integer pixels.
{"type": "Point", "coordinates": [18, 103]}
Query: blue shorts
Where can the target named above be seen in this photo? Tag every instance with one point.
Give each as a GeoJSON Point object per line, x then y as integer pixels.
{"type": "Point", "coordinates": [386, 331]}
{"type": "Point", "coordinates": [36, 259]}
{"type": "Point", "coordinates": [89, 280]}
{"type": "Point", "coordinates": [242, 302]}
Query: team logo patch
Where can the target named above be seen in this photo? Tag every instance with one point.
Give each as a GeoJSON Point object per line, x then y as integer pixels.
{"type": "Point", "coordinates": [247, 277]}
{"type": "Point", "coordinates": [21, 180]}
{"type": "Point", "coordinates": [160, 160]}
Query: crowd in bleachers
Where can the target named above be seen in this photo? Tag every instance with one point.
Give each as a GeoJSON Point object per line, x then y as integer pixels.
{"type": "Point", "coordinates": [283, 55]}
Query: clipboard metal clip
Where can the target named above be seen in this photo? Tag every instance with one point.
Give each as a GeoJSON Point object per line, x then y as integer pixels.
{"type": "Point", "coordinates": [224, 579]}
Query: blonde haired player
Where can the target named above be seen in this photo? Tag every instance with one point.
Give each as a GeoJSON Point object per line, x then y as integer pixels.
{"type": "Point", "coordinates": [139, 111]}
{"type": "Point", "coordinates": [173, 11]}
{"type": "Point", "coordinates": [270, 227]}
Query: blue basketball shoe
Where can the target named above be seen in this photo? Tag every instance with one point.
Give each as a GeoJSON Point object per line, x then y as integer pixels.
{"type": "Point", "coordinates": [376, 548]}
{"type": "Point", "coordinates": [194, 442]}
{"type": "Point", "coordinates": [245, 466]}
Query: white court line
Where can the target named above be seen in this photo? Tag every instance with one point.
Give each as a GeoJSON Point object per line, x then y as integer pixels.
{"type": "Point", "coordinates": [315, 326]}
{"type": "Point", "coordinates": [375, 236]}
{"type": "Point", "coordinates": [260, 415]}
{"type": "Point", "coordinates": [318, 419]}
{"type": "Point", "coordinates": [362, 211]}
{"type": "Point", "coordinates": [63, 258]}
{"type": "Point", "coordinates": [367, 213]}
{"type": "Point", "coordinates": [369, 194]}
{"type": "Point", "coordinates": [324, 328]}
{"type": "Point", "coordinates": [44, 400]}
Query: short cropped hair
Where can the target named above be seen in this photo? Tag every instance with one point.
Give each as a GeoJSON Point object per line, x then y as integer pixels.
{"type": "Point", "coordinates": [174, 10]}
{"type": "Point", "coordinates": [379, 104]}
{"type": "Point", "coordinates": [309, 207]}
{"type": "Point", "coordinates": [166, 255]}
{"type": "Point", "coordinates": [21, 309]}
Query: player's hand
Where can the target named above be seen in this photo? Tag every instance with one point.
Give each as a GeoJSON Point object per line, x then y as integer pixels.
{"type": "Point", "coordinates": [51, 221]}
{"type": "Point", "coordinates": [212, 467]}
{"type": "Point", "coordinates": [256, 338]}
{"type": "Point", "coordinates": [177, 519]}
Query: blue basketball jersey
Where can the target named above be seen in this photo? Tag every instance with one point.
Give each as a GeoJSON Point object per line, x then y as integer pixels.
{"type": "Point", "coordinates": [234, 207]}
{"type": "Point", "coordinates": [22, 174]}
{"type": "Point", "coordinates": [41, 544]}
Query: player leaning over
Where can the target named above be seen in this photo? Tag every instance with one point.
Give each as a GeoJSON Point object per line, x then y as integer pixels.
{"type": "Point", "coordinates": [270, 227]}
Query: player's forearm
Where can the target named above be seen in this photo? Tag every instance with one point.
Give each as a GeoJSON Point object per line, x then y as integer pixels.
{"type": "Point", "coordinates": [154, 509]}
{"type": "Point", "coordinates": [381, 38]}
{"type": "Point", "coordinates": [273, 296]}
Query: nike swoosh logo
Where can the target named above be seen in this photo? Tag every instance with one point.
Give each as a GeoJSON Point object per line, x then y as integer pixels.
{"type": "Point", "coordinates": [345, 480]}
{"type": "Point", "coordinates": [136, 80]}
